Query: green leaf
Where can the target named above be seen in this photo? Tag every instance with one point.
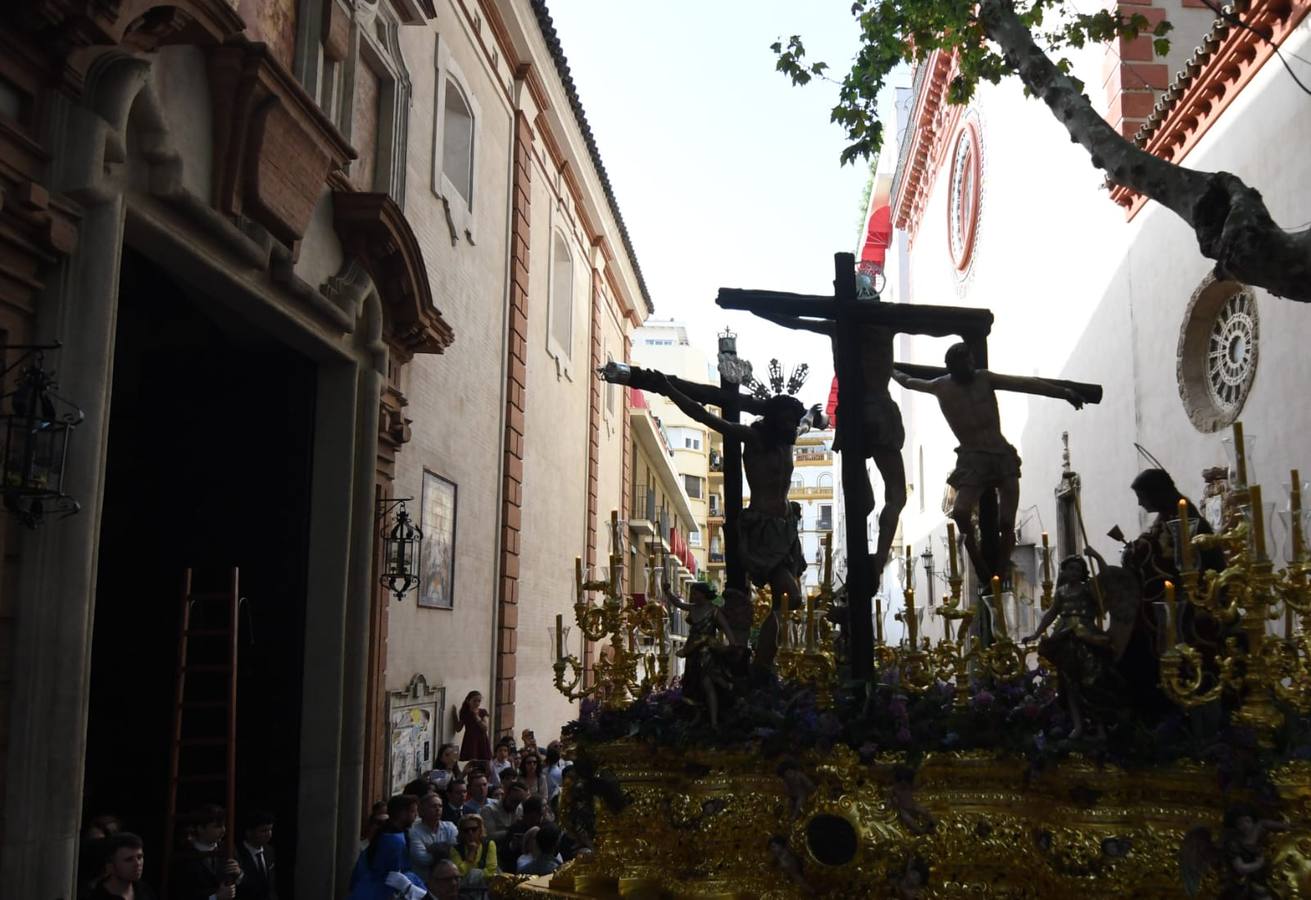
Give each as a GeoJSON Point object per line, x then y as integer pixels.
{"type": "Point", "coordinates": [1161, 46]}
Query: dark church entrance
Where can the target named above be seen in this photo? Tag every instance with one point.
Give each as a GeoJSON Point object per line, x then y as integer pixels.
{"type": "Point", "coordinates": [209, 464]}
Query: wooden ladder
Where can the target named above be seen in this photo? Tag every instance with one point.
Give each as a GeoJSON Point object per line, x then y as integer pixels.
{"type": "Point", "coordinates": [217, 646]}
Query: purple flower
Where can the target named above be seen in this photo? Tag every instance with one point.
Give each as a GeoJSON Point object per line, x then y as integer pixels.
{"type": "Point", "coordinates": [903, 735]}
{"type": "Point", "coordinates": [983, 697]}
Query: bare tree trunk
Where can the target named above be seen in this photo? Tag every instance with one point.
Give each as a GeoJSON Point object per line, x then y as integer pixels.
{"type": "Point", "coordinates": [1230, 219]}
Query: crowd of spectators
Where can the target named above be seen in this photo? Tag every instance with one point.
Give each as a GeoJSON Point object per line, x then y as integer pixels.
{"type": "Point", "coordinates": [479, 812]}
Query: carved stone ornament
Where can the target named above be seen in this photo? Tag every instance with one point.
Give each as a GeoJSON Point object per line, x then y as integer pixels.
{"type": "Point", "coordinates": [373, 229]}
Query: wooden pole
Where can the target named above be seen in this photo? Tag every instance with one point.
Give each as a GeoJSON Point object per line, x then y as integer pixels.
{"type": "Point", "coordinates": [735, 575]}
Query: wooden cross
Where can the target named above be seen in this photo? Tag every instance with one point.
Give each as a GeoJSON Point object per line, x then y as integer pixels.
{"type": "Point", "coordinates": [732, 403]}
{"type": "Point", "coordinates": [847, 311]}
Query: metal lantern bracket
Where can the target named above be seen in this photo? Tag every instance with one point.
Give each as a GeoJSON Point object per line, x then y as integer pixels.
{"type": "Point", "coordinates": [400, 556]}
{"type": "Point", "coordinates": [36, 431]}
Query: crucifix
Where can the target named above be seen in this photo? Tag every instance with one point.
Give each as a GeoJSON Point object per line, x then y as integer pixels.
{"type": "Point", "coordinates": [732, 403]}
{"type": "Point", "coordinates": [869, 424]}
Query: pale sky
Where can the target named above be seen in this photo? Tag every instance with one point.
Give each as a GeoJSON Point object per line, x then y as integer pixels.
{"type": "Point", "coordinates": [726, 174]}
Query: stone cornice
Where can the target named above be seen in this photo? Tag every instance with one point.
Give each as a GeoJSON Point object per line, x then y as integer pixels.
{"type": "Point", "coordinates": [1217, 71]}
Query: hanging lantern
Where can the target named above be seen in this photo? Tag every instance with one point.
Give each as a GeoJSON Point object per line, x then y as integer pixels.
{"type": "Point", "coordinates": [400, 551]}
{"type": "Point", "coordinates": [36, 424]}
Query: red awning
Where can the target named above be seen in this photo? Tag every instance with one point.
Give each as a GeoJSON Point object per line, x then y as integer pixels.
{"type": "Point", "coordinates": [636, 398]}
{"type": "Point", "coordinates": [878, 237]}
{"type": "Point", "coordinates": [831, 407]}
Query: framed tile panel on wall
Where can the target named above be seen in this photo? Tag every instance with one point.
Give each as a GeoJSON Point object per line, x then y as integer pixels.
{"type": "Point", "coordinates": [437, 550]}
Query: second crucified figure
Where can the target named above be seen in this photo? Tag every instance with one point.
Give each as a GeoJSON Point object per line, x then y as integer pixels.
{"type": "Point", "coordinates": [770, 545]}
{"type": "Point", "coordinates": [985, 460]}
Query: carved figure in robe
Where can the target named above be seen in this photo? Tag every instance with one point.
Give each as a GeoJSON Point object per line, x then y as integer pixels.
{"type": "Point", "coordinates": [704, 675]}
{"type": "Point", "coordinates": [767, 529]}
{"type": "Point", "coordinates": [1077, 646]}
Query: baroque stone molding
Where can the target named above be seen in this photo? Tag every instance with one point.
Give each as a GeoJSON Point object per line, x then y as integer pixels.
{"type": "Point", "coordinates": [932, 123]}
{"type": "Point", "coordinates": [273, 147]}
{"type": "Point", "coordinates": [373, 228]}
{"type": "Point", "coordinates": [143, 25]}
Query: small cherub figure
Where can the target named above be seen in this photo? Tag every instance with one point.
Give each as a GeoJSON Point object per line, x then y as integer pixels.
{"type": "Point", "coordinates": [1077, 646]}
{"type": "Point", "coordinates": [910, 883]}
{"type": "Point", "coordinates": [797, 784]}
{"type": "Point", "coordinates": [1240, 857]}
{"type": "Point", "coordinates": [790, 863]}
{"type": "Point", "coordinates": [915, 818]}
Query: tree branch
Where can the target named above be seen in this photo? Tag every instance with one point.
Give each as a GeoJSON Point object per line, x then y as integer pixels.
{"type": "Point", "coordinates": [1231, 222]}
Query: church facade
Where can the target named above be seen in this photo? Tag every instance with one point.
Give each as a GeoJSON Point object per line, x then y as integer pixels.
{"type": "Point", "coordinates": [294, 263]}
{"type": "Point", "coordinates": [991, 205]}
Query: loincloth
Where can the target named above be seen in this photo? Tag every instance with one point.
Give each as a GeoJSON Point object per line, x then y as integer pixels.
{"type": "Point", "coordinates": [989, 467]}
{"type": "Point", "coordinates": [768, 542]}
{"type": "Point", "coordinates": [880, 425]}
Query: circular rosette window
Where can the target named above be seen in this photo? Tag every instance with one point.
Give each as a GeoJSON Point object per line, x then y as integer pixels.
{"type": "Point", "coordinates": [964, 194]}
{"type": "Point", "coordinates": [1216, 361]}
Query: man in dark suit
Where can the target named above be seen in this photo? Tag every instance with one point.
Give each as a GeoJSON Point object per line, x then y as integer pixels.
{"type": "Point", "coordinates": [199, 869]}
{"type": "Point", "coordinates": [255, 853]}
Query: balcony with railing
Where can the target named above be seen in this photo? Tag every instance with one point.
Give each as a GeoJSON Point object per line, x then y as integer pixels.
{"type": "Point", "coordinates": [810, 493]}
{"type": "Point", "coordinates": [812, 457]}
{"type": "Point", "coordinates": [643, 520]}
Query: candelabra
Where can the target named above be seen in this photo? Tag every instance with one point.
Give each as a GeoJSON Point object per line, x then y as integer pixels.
{"type": "Point", "coordinates": [1250, 663]}
{"type": "Point", "coordinates": [624, 669]}
{"type": "Point", "coordinates": [810, 659]}
{"type": "Point", "coordinates": [920, 664]}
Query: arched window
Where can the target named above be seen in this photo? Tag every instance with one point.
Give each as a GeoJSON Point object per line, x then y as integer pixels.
{"type": "Point", "coordinates": [797, 481]}
{"type": "Point", "coordinates": [455, 146]}
{"type": "Point", "coordinates": [825, 480]}
{"type": "Point", "coordinates": [457, 143]}
{"type": "Point", "coordinates": [562, 299]}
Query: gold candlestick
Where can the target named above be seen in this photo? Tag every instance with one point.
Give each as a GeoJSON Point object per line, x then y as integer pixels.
{"type": "Point", "coordinates": [912, 628]}
{"type": "Point", "coordinates": [999, 617]}
{"type": "Point", "coordinates": [810, 623]}
{"type": "Point", "coordinates": [1046, 572]}
{"type": "Point", "coordinates": [1170, 613]}
{"type": "Point", "coordinates": [1295, 511]}
{"type": "Point", "coordinates": [1258, 523]}
{"type": "Point", "coordinates": [1185, 548]}
{"type": "Point", "coordinates": [1240, 456]}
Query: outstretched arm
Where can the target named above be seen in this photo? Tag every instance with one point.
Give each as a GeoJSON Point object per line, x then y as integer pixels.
{"type": "Point", "coordinates": [672, 598]}
{"type": "Point", "coordinates": [698, 412]}
{"type": "Point", "coordinates": [1047, 618]}
{"type": "Point", "coordinates": [1039, 386]}
{"type": "Point", "coordinates": [819, 326]}
{"type": "Point", "coordinates": [912, 384]}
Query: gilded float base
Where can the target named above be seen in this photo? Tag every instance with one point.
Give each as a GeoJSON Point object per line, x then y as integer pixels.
{"type": "Point", "coordinates": [697, 824]}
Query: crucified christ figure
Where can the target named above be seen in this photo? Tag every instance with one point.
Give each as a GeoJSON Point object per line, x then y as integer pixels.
{"type": "Point", "coordinates": [984, 460]}
{"type": "Point", "coordinates": [880, 419]}
{"type": "Point", "coordinates": [767, 531]}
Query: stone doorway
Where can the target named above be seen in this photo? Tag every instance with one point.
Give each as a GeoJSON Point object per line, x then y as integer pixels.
{"type": "Point", "coordinates": [208, 465]}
